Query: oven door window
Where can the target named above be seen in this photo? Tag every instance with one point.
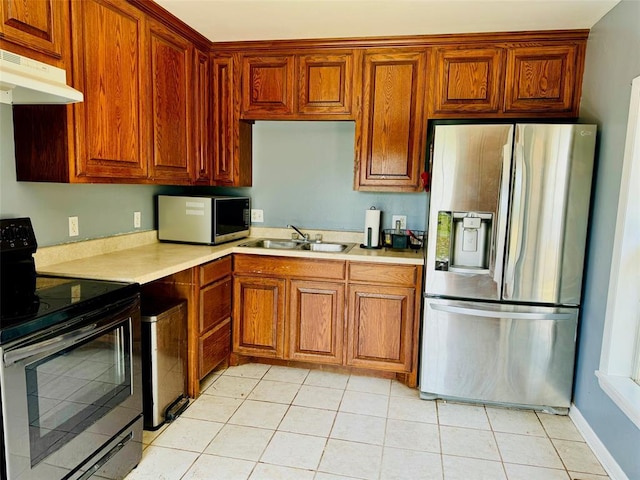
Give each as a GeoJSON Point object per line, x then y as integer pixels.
{"type": "Point", "coordinates": [70, 390]}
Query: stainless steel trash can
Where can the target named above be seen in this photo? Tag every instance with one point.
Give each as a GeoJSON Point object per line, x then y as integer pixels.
{"type": "Point", "coordinates": [164, 360]}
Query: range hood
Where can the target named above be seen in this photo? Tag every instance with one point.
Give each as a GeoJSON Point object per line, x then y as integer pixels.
{"type": "Point", "coordinates": [24, 81]}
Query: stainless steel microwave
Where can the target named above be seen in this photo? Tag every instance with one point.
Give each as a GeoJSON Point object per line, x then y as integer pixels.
{"type": "Point", "coordinates": [203, 219]}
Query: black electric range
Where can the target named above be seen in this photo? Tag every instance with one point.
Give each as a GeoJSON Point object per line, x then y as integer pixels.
{"type": "Point", "coordinates": [30, 302]}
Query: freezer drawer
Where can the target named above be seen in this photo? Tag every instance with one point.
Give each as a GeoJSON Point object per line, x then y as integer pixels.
{"type": "Point", "coordinates": [496, 353]}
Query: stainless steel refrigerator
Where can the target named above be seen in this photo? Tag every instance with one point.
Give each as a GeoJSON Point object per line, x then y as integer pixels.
{"type": "Point", "coordinates": [505, 252]}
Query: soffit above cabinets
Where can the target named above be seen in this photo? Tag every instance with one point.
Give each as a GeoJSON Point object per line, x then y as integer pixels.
{"type": "Point", "coordinates": [238, 20]}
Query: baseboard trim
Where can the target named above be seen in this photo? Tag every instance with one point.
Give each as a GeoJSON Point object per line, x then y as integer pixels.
{"type": "Point", "coordinates": [606, 459]}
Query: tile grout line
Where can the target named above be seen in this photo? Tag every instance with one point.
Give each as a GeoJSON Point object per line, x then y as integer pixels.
{"type": "Point", "coordinates": [314, 472]}
{"type": "Point", "coordinates": [437, 407]}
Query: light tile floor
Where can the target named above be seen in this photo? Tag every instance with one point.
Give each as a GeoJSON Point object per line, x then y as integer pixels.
{"type": "Point", "coordinates": [256, 422]}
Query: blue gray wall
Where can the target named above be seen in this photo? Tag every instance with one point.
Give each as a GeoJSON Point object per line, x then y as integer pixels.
{"type": "Point", "coordinates": [303, 175]}
{"type": "Point", "coordinates": [612, 62]}
{"type": "Point", "coordinates": [102, 210]}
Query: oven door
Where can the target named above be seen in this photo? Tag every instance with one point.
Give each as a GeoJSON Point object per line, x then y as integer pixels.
{"type": "Point", "coordinates": [67, 394]}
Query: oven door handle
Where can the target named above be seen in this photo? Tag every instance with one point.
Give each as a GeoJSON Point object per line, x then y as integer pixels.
{"type": "Point", "coordinates": [60, 342]}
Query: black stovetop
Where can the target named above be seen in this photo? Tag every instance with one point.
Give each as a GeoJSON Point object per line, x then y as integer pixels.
{"type": "Point", "coordinates": [29, 302]}
{"type": "Point", "coordinates": [56, 300]}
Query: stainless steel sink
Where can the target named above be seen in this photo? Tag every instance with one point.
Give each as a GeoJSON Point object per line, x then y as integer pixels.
{"type": "Point", "coordinates": [327, 247]}
{"type": "Point", "coordinates": [279, 244]}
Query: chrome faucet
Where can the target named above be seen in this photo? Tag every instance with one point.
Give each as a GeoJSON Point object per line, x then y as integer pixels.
{"type": "Point", "coordinates": [305, 236]}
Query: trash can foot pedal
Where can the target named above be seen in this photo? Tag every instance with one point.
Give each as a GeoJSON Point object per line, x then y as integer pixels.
{"type": "Point", "coordinates": [174, 410]}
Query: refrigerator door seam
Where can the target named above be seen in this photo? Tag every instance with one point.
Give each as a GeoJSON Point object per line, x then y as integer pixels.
{"type": "Point", "coordinates": [503, 208]}
{"type": "Point", "coordinates": [517, 212]}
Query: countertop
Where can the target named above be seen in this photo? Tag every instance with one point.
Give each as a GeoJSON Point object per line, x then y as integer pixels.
{"type": "Point", "coordinates": [152, 261]}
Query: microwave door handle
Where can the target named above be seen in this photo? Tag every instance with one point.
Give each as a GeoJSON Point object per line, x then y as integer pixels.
{"type": "Point", "coordinates": [478, 312]}
{"type": "Point", "coordinates": [57, 343]}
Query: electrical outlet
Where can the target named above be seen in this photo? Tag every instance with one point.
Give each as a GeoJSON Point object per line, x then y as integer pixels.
{"type": "Point", "coordinates": [74, 230]}
{"type": "Point", "coordinates": [137, 219]}
{"type": "Point", "coordinates": [257, 216]}
{"type": "Point", "coordinates": [401, 218]}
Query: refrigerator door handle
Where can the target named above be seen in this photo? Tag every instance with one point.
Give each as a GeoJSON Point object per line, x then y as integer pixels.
{"type": "Point", "coordinates": [517, 213]}
{"type": "Point", "coordinates": [503, 208]}
{"type": "Point", "coordinates": [478, 312]}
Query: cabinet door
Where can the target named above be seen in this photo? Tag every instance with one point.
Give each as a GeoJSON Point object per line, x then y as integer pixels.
{"type": "Point", "coordinates": [389, 136]}
{"type": "Point", "coordinates": [380, 327]}
{"type": "Point", "coordinates": [325, 83]}
{"type": "Point", "coordinates": [542, 79]}
{"type": "Point", "coordinates": [215, 304]}
{"type": "Point", "coordinates": [111, 70]}
{"type": "Point", "coordinates": [170, 115]}
{"type": "Point", "coordinates": [202, 161]}
{"type": "Point", "coordinates": [258, 316]}
{"type": "Point", "coordinates": [231, 136]}
{"type": "Point", "coordinates": [267, 86]}
{"type": "Point", "coordinates": [35, 24]}
{"type": "Point", "coordinates": [467, 80]}
{"type": "Point", "coordinates": [316, 322]}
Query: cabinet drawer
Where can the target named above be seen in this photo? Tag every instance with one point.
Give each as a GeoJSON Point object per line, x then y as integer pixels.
{"type": "Point", "coordinates": [212, 271]}
{"type": "Point", "coordinates": [289, 267]}
{"type": "Point", "coordinates": [380, 273]}
{"type": "Point", "coordinates": [215, 304]}
{"type": "Point", "coordinates": [214, 347]}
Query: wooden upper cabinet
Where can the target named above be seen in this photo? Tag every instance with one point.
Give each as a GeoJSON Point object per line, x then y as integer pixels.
{"type": "Point", "coordinates": [231, 136]}
{"type": "Point", "coordinates": [316, 85]}
{"type": "Point", "coordinates": [390, 132]}
{"type": "Point", "coordinates": [543, 79]}
{"type": "Point", "coordinates": [325, 83]}
{"type": "Point", "coordinates": [466, 80]}
{"type": "Point", "coordinates": [267, 85]}
{"type": "Point", "coordinates": [224, 121]}
{"type": "Point", "coordinates": [111, 71]}
{"type": "Point", "coordinates": [38, 25]}
{"type": "Point", "coordinates": [202, 159]}
{"type": "Point", "coordinates": [170, 116]}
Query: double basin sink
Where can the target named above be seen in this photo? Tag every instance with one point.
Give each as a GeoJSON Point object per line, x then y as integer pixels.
{"type": "Point", "coordinates": [278, 244]}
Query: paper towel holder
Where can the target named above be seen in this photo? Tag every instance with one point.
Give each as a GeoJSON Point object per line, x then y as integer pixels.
{"type": "Point", "coordinates": [370, 238]}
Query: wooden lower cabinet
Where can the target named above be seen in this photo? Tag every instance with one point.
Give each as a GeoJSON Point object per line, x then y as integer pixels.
{"type": "Point", "coordinates": [214, 347]}
{"type": "Point", "coordinates": [316, 321]}
{"type": "Point", "coordinates": [214, 324]}
{"type": "Point", "coordinates": [258, 312]}
{"type": "Point", "coordinates": [213, 333]}
{"type": "Point", "coordinates": [207, 290]}
{"type": "Point", "coordinates": [380, 327]}
{"type": "Point", "coordinates": [353, 315]}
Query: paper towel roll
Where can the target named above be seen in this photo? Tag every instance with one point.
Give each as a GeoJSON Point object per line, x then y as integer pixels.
{"type": "Point", "coordinates": [372, 221]}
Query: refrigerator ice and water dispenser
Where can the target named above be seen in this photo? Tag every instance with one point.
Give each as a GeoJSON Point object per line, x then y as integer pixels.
{"type": "Point", "coordinates": [463, 242]}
